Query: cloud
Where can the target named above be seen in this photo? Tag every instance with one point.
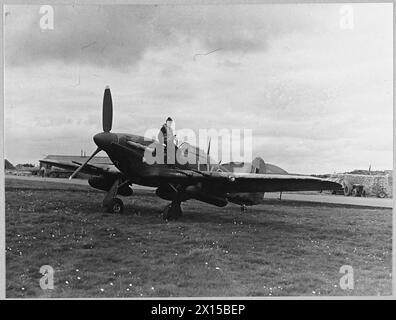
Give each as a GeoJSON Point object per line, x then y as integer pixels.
{"type": "Point", "coordinates": [119, 36]}
{"type": "Point", "coordinates": [317, 98]}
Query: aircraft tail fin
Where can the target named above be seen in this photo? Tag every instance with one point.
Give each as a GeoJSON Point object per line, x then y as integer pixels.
{"type": "Point", "coordinates": [250, 198]}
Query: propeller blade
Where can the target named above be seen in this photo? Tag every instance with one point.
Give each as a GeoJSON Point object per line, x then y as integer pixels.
{"type": "Point", "coordinates": [214, 167]}
{"type": "Point", "coordinates": [82, 166]}
{"type": "Point", "coordinates": [207, 157]}
{"type": "Point", "coordinates": [107, 112]}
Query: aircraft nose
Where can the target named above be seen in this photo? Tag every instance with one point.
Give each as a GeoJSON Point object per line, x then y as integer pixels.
{"type": "Point", "coordinates": [104, 139]}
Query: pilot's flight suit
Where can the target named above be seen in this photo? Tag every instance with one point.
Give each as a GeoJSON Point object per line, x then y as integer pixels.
{"type": "Point", "coordinates": [165, 137]}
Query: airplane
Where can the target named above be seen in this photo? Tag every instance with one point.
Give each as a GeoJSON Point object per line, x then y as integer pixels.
{"type": "Point", "coordinates": [216, 184]}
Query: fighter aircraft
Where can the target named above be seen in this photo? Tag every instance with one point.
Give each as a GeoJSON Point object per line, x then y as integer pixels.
{"type": "Point", "coordinates": [214, 184]}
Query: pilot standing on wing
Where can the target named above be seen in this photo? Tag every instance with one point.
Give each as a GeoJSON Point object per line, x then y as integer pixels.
{"type": "Point", "coordinates": [166, 137]}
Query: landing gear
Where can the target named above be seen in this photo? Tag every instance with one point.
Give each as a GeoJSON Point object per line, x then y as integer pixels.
{"type": "Point", "coordinates": [243, 208]}
{"type": "Point", "coordinates": [110, 202]}
{"type": "Point", "coordinates": [172, 211]}
{"type": "Point", "coordinates": [115, 206]}
{"type": "Point", "coordinates": [381, 195]}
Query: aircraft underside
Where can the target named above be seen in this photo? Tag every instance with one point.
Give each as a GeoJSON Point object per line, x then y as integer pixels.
{"type": "Point", "coordinates": [174, 193]}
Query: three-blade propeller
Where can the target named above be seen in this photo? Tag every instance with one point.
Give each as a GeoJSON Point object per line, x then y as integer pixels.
{"type": "Point", "coordinates": [107, 121]}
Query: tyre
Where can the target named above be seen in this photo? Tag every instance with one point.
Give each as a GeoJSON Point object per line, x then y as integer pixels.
{"type": "Point", "coordinates": [347, 189]}
{"type": "Point", "coordinates": [166, 214]}
{"type": "Point", "coordinates": [172, 211]}
{"type": "Point", "coordinates": [115, 206]}
{"type": "Point", "coordinates": [381, 195]}
{"type": "Point", "coordinates": [176, 211]}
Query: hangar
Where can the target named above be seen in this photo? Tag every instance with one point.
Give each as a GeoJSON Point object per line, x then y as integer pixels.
{"type": "Point", "coordinates": [56, 172]}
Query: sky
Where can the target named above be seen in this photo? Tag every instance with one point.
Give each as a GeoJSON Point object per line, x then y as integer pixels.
{"type": "Point", "coordinates": [317, 96]}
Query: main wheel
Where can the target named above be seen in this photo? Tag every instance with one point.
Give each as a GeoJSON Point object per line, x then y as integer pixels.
{"type": "Point", "coordinates": [172, 211]}
{"type": "Point", "coordinates": [166, 213]}
{"type": "Point", "coordinates": [382, 194]}
{"type": "Point", "coordinates": [115, 206]}
{"type": "Point", "coordinates": [347, 189]}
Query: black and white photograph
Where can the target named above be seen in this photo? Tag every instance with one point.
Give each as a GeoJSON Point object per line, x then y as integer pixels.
{"type": "Point", "coordinates": [198, 151]}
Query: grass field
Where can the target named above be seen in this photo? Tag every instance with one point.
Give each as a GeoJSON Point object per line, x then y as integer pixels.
{"type": "Point", "coordinates": [279, 248]}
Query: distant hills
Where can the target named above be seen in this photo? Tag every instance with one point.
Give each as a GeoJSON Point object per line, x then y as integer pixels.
{"type": "Point", "coordinates": [357, 172]}
{"type": "Point", "coordinates": [372, 172]}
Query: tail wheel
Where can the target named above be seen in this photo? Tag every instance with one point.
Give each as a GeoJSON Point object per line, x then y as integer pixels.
{"type": "Point", "coordinates": [115, 206]}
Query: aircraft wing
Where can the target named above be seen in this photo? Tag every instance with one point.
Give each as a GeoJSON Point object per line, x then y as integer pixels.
{"type": "Point", "coordinates": [229, 182]}
{"type": "Point", "coordinates": [88, 169]}
{"type": "Point", "coordinates": [250, 182]}
{"type": "Point", "coordinates": [247, 182]}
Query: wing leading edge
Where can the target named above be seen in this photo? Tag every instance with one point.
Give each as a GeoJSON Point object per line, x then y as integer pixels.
{"type": "Point", "coordinates": [277, 182]}
{"type": "Point", "coordinates": [247, 182]}
{"type": "Point", "coordinates": [88, 169]}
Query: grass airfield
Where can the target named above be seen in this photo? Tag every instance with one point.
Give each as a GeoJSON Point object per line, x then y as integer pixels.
{"type": "Point", "coordinates": [279, 248]}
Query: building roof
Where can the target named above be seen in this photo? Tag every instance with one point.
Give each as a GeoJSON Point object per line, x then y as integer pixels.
{"type": "Point", "coordinates": [69, 158]}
